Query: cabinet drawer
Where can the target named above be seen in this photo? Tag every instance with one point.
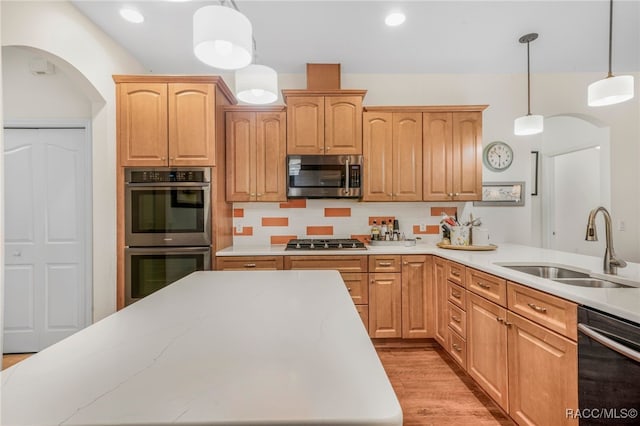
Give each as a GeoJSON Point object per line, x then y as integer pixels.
{"type": "Point", "coordinates": [456, 295]}
{"type": "Point", "coordinates": [457, 347]}
{"type": "Point", "coordinates": [550, 311]}
{"type": "Point", "coordinates": [457, 319]}
{"type": "Point", "coordinates": [358, 287]}
{"type": "Point", "coordinates": [239, 263]}
{"type": "Point", "coordinates": [488, 286]}
{"type": "Point", "coordinates": [340, 263]}
{"type": "Point", "coordinates": [363, 311]}
{"type": "Point", "coordinates": [455, 272]}
{"type": "Point", "coordinates": [385, 263]}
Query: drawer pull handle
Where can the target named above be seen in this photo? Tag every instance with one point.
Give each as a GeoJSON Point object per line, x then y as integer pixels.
{"type": "Point", "coordinates": [499, 319]}
{"type": "Point", "coordinates": [385, 263]}
{"type": "Point", "coordinates": [537, 308]}
{"type": "Point", "coordinates": [455, 318]}
{"type": "Point", "coordinates": [249, 265]}
{"type": "Point", "coordinates": [456, 347]}
{"type": "Point", "coordinates": [484, 285]}
{"type": "Point", "coordinates": [508, 324]}
{"type": "Point", "coordinates": [455, 273]}
{"type": "Point", "coordinates": [456, 295]}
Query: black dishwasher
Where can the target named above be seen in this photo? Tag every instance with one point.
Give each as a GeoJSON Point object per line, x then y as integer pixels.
{"type": "Point", "coordinates": [608, 369]}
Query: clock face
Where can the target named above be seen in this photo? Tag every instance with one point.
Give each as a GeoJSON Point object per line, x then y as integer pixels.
{"type": "Point", "coordinates": [498, 156]}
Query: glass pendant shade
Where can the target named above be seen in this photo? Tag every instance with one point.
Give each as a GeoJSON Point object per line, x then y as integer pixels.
{"type": "Point", "coordinates": [222, 37]}
{"type": "Point", "coordinates": [257, 84]}
{"type": "Point", "coordinates": [610, 90]}
{"type": "Point", "coordinates": [528, 125]}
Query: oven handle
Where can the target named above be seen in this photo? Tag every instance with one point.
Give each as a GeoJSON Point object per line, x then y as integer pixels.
{"type": "Point", "coordinates": [170, 185]}
{"type": "Point", "coordinates": [346, 173]}
{"type": "Point", "coordinates": [609, 343]}
{"type": "Point", "coordinates": [167, 250]}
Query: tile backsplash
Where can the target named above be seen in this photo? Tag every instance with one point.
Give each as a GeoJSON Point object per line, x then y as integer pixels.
{"type": "Point", "coordinates": [263, 224]}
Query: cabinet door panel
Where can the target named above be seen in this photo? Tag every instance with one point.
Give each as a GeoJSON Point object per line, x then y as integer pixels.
{"type": "Point", "coordinates": [385, 317]}
{"type": "Point", "coordinates": [437, 145]}
{"type": "Point", "coordinates": [343, 125]}
{"type": "Point", "coordinates": [241, 158]}
{"type": "Point", "coordinates": [407, 156]}
{"type": "Point", "coordinates": [191, 124]}
{"type": "Point", "coordinates": [378, 152]}
{"type": "Point", "coordinates": [271, 152]}
{"type": "Point", "coordinates": [467, 156]}
{"type": "Point", "coordinates": [487, 347]}
{"type": "Point", "coordinates": [416, 297]}
{"type": "Point", "coordinates": [543, 374]}
{"type": "Point", "coordinates": [143, 124]}
{"type": "Point", "coordinates": [440, 300]}
{"type": "Point", "coordinates": [305, 125]}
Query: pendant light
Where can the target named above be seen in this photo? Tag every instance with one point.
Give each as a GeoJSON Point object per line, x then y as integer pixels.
{"type": "Point", "coordinates": [610, 90]}
{"type": "Point", "coordinates": [222, 37]}
{"type": "Point", "coordinates": [528, 124]}
{"type": "Point", "coordinates": [257, 84]}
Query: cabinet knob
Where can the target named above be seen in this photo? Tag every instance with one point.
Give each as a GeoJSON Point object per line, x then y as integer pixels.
{"type": "Point", "coordinates": [405, 263]}
{"type": "Point", "coordinates": [450, 194]}
{"type": "Point", "coordinates": [390, 194]}
{"type": "Point", "coordinates": [253, 194]}
{"type": "Point", "coordinates": [172, 158]}
{"type": "Point", "coordinates": [327, 148]}
{"type": "Point", "coordinates": [349, 289]}
{"type": "Point", "coordinates": [260, 195]}
{"type": "Point", "coordinates": [456, 194]}
{"type": "Point", "coordinates": [163, 158]}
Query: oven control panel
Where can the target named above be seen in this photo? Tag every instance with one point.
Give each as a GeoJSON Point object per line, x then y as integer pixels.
{"type": "Point", "coordinates": [167, 175]}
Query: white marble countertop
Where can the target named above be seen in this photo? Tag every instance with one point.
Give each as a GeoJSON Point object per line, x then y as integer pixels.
{"type": "Point", "coordinates": [241, 348]}
{"type": "Point", "coordinates": [623, 302]}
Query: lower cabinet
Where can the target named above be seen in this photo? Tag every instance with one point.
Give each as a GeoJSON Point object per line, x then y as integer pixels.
{"type": "Point", "coordinates": [400, 298]}
{"type": "Point", "coordinates": [256, 263]}
{"type": "Point", "coordinates": [487, 347]}
{"type": "Point", "coordinates": [439, 302]}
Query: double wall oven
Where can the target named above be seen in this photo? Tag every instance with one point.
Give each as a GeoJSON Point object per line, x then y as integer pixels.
{"type": "Point", "coordinates": [167, 227]}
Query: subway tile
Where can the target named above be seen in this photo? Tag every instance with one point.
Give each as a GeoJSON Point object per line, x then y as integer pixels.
{"type": "Point", "coordinates": [247, 231]}
{"type": "Point", "coordinates": [430, 229]}
{"type": "Point", "coordinates": [300, 203]}
{"type": "Point", "coordinates": [275, 221]}
{"type": "Point", "coordinates": [320, 230]}
{"type": "Point", "coordinates": [238, 212]}
{"type": "Point", "coordinates": [437, 211]}
{"type": "Point", "coordinates": [337, 212]}
{"type": "Point", "coordinates": [282, 239]}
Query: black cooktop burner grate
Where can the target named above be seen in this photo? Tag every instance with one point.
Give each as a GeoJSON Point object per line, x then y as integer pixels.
{"type": "Point", "coordinates": [325, 244]}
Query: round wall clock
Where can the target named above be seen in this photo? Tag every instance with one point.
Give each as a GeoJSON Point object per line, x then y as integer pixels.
{"type": "Point", "coordinates": [497, 156]}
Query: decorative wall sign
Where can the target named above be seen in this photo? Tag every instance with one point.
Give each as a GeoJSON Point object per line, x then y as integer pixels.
{"type": "Point", "coordinates": [504, 194]}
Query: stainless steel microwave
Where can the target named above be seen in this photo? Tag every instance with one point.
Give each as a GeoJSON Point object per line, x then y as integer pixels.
{"type": "Point", "coordinates": [324, 176]}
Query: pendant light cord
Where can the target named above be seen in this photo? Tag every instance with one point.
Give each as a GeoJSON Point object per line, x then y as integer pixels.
{"type": "Point", "coordinates": [528, 83]}
{"type": "Point", "coordinates": [610, 35]}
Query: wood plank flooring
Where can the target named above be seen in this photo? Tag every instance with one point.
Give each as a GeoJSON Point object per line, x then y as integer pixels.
{"type": "Point", "coordinates": [432, 388]}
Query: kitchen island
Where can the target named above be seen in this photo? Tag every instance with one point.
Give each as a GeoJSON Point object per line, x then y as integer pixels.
{"type": "Point", "coordinates": [241, 348]}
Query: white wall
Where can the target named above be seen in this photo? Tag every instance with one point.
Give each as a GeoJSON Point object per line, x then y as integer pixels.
{"type": "Point", "coordinates": [29, 96]}
{"type": "Point", "coordinates": [90, 58]}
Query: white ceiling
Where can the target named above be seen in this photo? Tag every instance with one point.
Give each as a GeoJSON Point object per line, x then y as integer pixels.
{"type": "Point", "coordinates": [437, 37]}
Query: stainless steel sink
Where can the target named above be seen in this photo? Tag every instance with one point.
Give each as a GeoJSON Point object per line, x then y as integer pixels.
{"type": "Point", "coordinates": [590, 282]}
{"type": "Point", "coordinates": [545, 271]}
{"type": "Point", "coordinates": [565, 276]}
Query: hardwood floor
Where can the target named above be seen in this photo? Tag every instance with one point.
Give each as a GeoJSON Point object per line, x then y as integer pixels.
{"type": "Point", "coordinates": [431, 388]}
{"type": "Point", "coordinates": [434, 390]}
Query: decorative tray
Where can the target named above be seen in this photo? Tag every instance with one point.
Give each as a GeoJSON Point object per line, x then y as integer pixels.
{"type": "Point", "coordinates": [470, 248]}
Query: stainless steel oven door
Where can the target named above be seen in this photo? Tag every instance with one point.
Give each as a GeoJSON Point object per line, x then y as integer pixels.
{"type": "Point", "coordinates": [148, 269]}
{"type": "Point", "coordinates": [168, 214]}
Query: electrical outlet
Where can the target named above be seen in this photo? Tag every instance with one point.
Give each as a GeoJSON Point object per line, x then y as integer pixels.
{"type": "Point", "coordinates": [621, 225]}
{"type": "Point", "coordinates": [423, 227]}
{"type": "Point", "coordinates": [239, 229]}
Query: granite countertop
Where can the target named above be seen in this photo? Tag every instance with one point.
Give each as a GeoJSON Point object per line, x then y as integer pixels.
{"type": "Point", "coordinates": [242, 348]}
{"type": "Point", "coordinates": [622, 302]}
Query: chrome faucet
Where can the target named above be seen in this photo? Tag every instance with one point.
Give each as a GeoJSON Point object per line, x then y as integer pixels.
{"type": "Point", "coordinates": [611, 262]}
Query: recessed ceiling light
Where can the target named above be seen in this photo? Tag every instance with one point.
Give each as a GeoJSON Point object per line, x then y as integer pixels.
{"type": "Point", "coordinates": [394, 19]}
{"type": "Point", "coordinates": [131, 15]}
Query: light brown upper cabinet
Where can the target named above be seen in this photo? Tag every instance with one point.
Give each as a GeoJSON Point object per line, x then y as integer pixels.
{"type": "Point", "coordinates": [453, 155]}
{"type": "Point", "coordinates": [168, 121]}
{"type": "Point", "coordinates": [392, 148]}
{"type": "Point", "coordinates": [324, 122]}
{"type": "Point", "coordinates": [256, 151]}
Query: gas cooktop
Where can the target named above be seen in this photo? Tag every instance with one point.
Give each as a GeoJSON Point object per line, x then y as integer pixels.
{"type": "Point", "coordinates": [326, 244]}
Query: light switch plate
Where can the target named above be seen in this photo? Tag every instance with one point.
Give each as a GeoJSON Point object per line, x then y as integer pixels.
{"type": "Point", "coordinates": [239, 229]}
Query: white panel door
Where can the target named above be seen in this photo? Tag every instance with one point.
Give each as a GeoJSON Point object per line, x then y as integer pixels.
{"type": "Point", "coordinates": [46, 252]}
